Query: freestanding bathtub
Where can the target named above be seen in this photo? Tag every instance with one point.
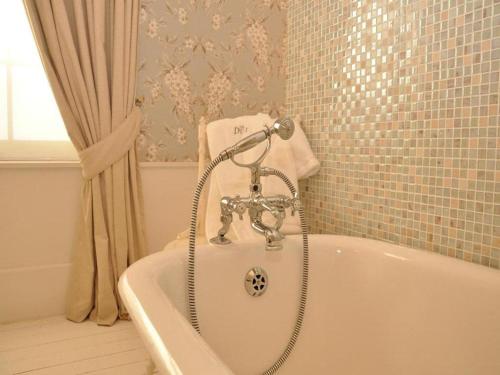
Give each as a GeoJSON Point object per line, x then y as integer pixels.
{"type": "Point", "coordinates": [373, 308]}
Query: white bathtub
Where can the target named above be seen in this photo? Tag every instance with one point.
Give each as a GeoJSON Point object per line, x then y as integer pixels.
{"type": "Point", "coordinates": [373, 308]}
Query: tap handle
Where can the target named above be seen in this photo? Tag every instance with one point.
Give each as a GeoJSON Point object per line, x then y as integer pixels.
{"type": "Point", "coordinates": [239, 209]}
{"type": "Point", "coordinates": [295, 205]}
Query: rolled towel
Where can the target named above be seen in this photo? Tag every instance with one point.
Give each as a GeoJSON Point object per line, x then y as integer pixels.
{"type": "Point", "coordinates": [293, 157]}
{"type": "Point", "coordinates": [306, 164]}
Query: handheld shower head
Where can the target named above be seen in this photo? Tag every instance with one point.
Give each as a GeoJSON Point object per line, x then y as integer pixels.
{"type": "Point", "coordinates": [284, 127]}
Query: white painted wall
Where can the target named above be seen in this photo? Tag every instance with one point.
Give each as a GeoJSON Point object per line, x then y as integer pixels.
{"type": "Point", "coordinates": [39, 206]}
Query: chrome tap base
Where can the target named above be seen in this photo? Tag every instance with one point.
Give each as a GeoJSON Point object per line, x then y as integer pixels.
{"type": "Point", "coordinates": [256, 204]}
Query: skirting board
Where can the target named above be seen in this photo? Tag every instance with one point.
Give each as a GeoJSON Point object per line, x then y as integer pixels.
{"type": "Point", "coordinates": [33, 292]}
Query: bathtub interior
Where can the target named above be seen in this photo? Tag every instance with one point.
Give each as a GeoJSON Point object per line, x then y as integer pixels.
{"type": "Point", "coordinates": [248, 333]}
{"type": "Point", "coordinates": [372, 308]}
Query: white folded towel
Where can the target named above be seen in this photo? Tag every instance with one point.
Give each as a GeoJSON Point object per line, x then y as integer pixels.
{"type": "Point", "coordinates": [293, 157]}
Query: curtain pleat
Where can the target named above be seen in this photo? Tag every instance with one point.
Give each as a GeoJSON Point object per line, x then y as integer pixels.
{"type": "Point", "coordinates": [89, 48]}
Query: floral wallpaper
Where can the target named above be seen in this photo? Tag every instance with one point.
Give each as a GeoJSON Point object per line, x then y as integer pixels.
{"type": "Point", "coordinates": [210, 58]}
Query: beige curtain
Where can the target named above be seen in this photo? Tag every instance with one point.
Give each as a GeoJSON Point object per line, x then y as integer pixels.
{"type": "Point", "coordinates": [89, 48]}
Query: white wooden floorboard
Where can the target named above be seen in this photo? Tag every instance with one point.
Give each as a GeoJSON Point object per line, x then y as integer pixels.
{"type": "Point", "coordinates": [56, 346]}
{"type": "Point", "coordinates": [94, 364]}
{"type": "Point", "coordinates": [56, 330]}
{"type": "Point", "coordinates": [4, 327]}
{"type": "Point", "coordinates": [47, 349]}
{"type": "Point", "coordinates": [60, 354]}
{"type": "Point", "coordinates": [138, 368]}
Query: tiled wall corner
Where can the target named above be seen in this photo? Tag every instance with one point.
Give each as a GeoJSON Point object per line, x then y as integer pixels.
{"type": "Point", "coordinates": [400, 100]}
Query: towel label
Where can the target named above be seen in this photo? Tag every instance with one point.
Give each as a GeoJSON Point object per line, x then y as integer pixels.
{"type": "Point", "coordinates": [241, 129]}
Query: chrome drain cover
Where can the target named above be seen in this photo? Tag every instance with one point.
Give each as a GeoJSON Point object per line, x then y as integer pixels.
{"type": "Point", "coordinates": [256, 281]}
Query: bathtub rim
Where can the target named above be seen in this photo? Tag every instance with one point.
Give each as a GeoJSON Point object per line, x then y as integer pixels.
{"type": "Point", "coordinates": [186, 352]}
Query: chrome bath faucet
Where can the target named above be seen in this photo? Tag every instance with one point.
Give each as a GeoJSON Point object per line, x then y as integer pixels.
{"type": "Point", "coordinates": [256, 203]}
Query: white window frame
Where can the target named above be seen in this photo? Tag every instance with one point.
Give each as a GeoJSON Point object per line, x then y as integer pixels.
{"type": "Point", "coordinates": [29, 150]}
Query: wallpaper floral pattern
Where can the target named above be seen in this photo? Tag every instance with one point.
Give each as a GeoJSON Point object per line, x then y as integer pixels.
{"type": "Point", "coordinates": [210, 58]}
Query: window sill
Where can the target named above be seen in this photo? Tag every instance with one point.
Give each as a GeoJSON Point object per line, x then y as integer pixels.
{"type": "Point", "coordinates": [76, 164]}
{"type": "Point", "coordinates": [39, 164]}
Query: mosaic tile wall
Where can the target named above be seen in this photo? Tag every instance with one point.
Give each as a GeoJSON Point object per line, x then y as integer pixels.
{"type": "Point", "coordinates": [212, 58]}
{"type": "Point", "coordinates": [400, 100]}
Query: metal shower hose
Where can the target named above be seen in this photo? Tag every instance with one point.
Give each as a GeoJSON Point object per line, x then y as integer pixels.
{"type": "Point", "coordinates": [191, 262]}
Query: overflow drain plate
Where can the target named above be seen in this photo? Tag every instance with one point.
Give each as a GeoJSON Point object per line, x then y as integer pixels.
{"type": "Point", "coordinates": [256, 281]}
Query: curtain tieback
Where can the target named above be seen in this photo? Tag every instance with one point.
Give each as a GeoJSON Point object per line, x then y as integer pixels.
{"type": "Point", "coordinates": [101, 155]}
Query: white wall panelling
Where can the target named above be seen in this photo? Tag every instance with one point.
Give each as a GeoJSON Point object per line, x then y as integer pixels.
{"type": "Point", "coordinates": [39, 207]}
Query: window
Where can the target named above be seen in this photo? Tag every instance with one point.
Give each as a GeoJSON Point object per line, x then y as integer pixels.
{"type": "Point", "coordinates": [31, 127]}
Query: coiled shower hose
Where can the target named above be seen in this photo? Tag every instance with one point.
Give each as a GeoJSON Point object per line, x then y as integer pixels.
{"type": "Point", "coordinates": [191, 261]}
